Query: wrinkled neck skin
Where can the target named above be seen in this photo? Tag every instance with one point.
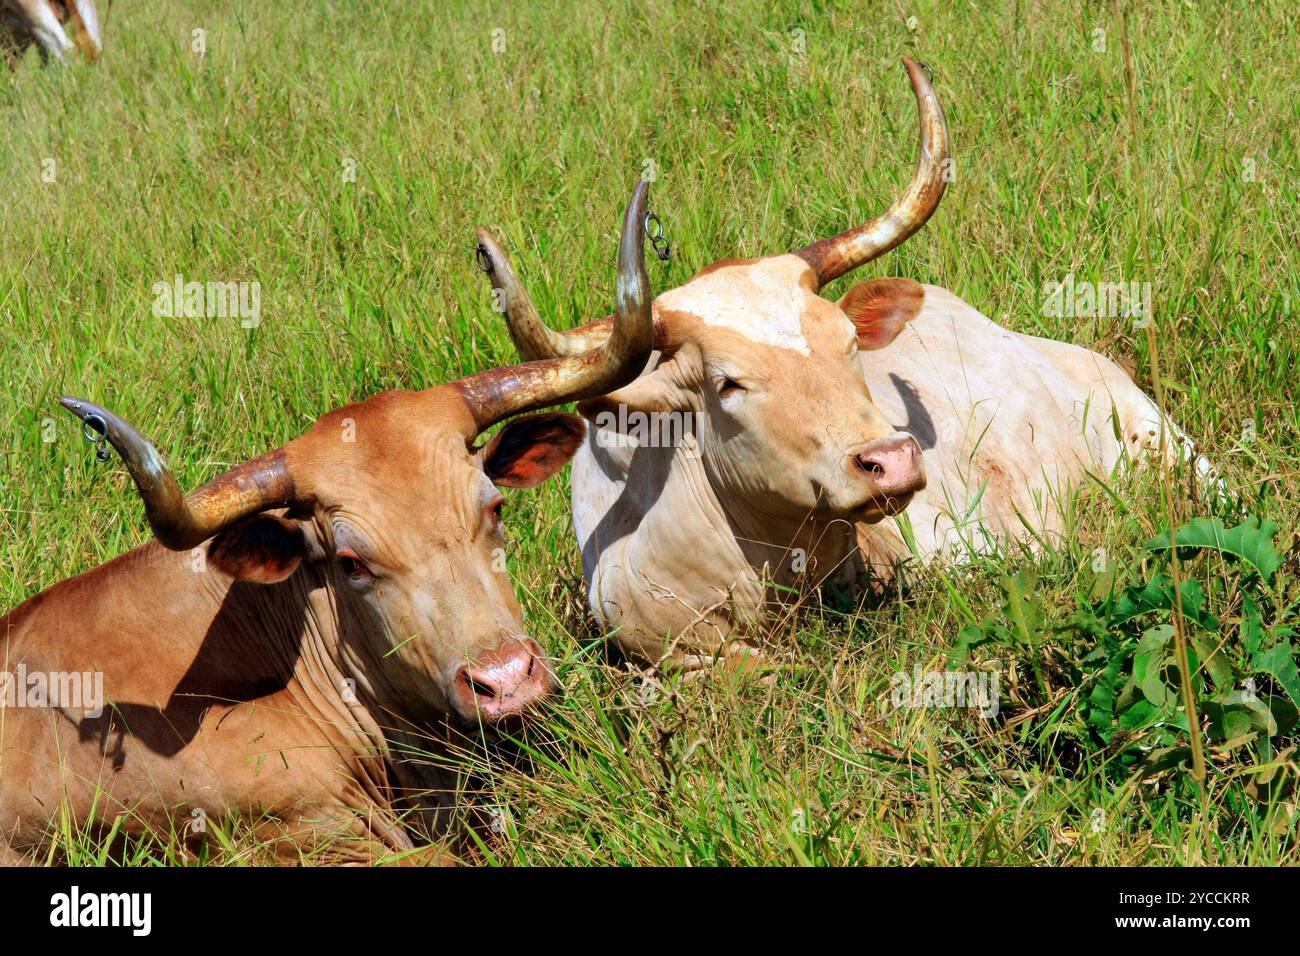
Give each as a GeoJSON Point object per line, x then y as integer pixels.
{"type": "Point", "coordinates": [682, 574]}
{"type": "Point", "coordinates": [379, 727]}
{"type": "Point", "coordinates": [218, 695]}
{"type": "Point", "coordinates": [299, 620]}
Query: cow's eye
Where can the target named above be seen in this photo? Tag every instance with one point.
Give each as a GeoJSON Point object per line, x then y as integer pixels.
{"type": "Point", "coordinates": [496, 510]}
{"type": "Point", "coordinates": [353, 566]}
{"type": "Point", "coordinates": [729, 386]}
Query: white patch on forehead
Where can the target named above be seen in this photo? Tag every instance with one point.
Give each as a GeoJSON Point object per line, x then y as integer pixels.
{"type": "Point", "coordinates": [763, 302]}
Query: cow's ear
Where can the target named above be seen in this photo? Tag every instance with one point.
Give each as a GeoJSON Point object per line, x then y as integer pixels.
{"type": "Point", "coordinates": [879, 308]}
{"type": "Point", "coordinates": [262, 550]}
{"type": "Point", "coordinates": [532, 448]}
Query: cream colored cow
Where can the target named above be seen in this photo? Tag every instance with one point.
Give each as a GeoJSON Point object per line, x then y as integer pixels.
{"type": "Point", "coordinates": [776, 437]}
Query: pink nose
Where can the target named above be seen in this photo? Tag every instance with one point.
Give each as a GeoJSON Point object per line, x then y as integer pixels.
{"type": "Point", "coordinates": [893, 463]}
{"type": "Point", "coordinates": [503, 683]}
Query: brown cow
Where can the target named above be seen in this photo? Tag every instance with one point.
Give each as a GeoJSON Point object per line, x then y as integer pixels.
{"type": "Point", "coordinates": [305, 623]}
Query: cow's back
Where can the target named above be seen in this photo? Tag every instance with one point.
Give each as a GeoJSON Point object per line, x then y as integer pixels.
{"type": "Point", "coordinates": [1009, 424]}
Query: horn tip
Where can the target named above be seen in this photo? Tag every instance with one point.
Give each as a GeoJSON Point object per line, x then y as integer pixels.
{"type": "Point", "coordinates": [488, 251]}
{"type": "Point", "coordinates": [636, 210]}
{"type": "Point", "coordinates": [77, 406]}
{"type": "Point", "coordinates": [920, 74]}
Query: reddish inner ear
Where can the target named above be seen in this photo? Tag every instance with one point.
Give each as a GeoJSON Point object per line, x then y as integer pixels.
{"type": "Point", "coordinates": [531, 449]}
{"type": "Point", "coordinates": [880, 308]}
{"type": "Point", "coordinates": [263, 550]}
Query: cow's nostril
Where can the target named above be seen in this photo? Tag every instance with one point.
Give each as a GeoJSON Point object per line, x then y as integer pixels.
{"type": "Point", "coordinates": [870, 465]}
{"type": "Point", "coordinates": [480, 689]}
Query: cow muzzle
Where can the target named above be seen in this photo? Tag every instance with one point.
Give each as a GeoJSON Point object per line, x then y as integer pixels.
{"type": "Point", "coordinates": [894, 468]}
{"type": "Point", "coordinates": [503, 684]}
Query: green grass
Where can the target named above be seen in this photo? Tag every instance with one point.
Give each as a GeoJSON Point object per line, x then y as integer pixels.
{"type": "Point", "coordinates": [230, 167]}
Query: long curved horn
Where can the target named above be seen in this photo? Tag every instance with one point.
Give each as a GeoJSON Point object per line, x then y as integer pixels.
{"type": "Point", "coordinates": [181, 522]}
{"type": "Point", "coordinates": [532, 337]}
{"type": "Point", "coordinates": [499, 393]}
{"type": "Point", "coordinates": [831, 258]}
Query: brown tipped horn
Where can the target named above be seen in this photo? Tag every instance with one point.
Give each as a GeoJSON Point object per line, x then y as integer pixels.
{"type": "Point", "coordinates": [833, 257]}
{"type": "Point", "coordinates": [502, 392]}
{"type": "Point", "coordinates": [181, 522]}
